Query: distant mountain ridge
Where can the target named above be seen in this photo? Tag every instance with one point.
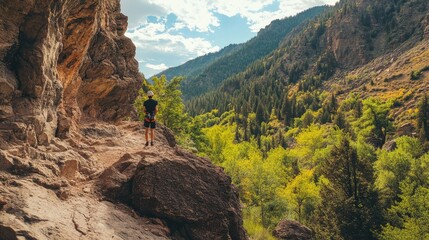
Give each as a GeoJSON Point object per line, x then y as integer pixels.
{"type": "Point", "coordinates": [196, 66]}
{"type": "Point", "coordinates": [207, 72]}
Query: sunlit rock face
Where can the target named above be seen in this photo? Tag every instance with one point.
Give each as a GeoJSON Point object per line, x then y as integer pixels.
{"type": "Point", "coordinates": [61, 61]}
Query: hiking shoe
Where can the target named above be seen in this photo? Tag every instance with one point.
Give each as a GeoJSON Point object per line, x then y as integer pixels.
{"type": "Point", "coordinates": [147, 144]}
{"type": "Point", "coordinates": [151, 143]}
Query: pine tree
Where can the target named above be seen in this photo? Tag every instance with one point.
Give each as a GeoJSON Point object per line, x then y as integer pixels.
{"type": "Point", "coordinates": [237, 137]}
{"type": "Point", "coordinates": [349, 203]}
{"type": "Point", "coordinates": [422, 119]}
{"type": "Point", "coordinates": [375, 122]}
{"type": "Point", "coordinates": [340, 120]}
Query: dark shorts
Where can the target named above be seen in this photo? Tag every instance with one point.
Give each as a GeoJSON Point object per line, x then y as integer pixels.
{"type": "Point", "coordinates": [149, 124]}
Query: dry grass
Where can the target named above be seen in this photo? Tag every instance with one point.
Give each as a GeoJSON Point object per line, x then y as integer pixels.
{"type": "Point", "coordinates": [388, 77]}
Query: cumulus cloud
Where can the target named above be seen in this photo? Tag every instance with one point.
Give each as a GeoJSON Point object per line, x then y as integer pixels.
{"type": "Point", "coordinates": [138, 11]}
{"type": "Point", "coordinates": [293, 7]}
{"type": "Point", "coordinates": [157, 67]}
{"type": "Point", "coordinates": [154, 36]}
{"type": "Point", "coordinates": [162, 36]}
{"type": "Point", "coordinates": [260, 18]}
{"type": "Point", "coordinates": [201, 15]}
{"type": "Point", "coordinates": [156, 44]}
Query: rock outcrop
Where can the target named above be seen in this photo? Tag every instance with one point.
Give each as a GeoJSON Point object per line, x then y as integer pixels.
{"type": "Point", "coordinates": [68, 79]}
{"type": "Point", "coordinates": [61, 61]}
{"type": "Point", "coordinates": [195, 198]}
{"type": "Point", "coordinates": [292, 230]}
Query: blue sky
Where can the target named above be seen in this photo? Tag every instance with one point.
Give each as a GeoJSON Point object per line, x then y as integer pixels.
{"type": "Point", "coordinates": [168, 33]}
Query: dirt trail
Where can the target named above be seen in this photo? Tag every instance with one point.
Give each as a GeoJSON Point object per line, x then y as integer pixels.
{"type": "Point", "coordinates": [109, 143]}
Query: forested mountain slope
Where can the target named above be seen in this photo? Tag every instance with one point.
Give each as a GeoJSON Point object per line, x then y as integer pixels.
{"type": "Point", "coordinates": [207, 72]}
{"type": "Point", "coordinates": [196, 66]}
{"type": "Point", "coordinates": [351, 48]}
{"type": "Point", "coordinates": [332, 128]}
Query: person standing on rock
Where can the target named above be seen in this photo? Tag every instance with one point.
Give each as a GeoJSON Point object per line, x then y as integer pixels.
{"type": "Point", "coordinates": [150, 109]}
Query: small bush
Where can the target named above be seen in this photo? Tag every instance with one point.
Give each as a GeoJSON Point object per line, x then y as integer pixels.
{"type": "Point", "coordinates": [252, 224]}
{"type": "Point", "coordinates": [396, 103]}
{"type": "Point", "coordinates": [408, 95]}
{"type": "Point", "coordinates": [257, 231]}
{"type": "Point", "coordinates": [394, 77]}
{"type": "Point", "coordinates": [415, 75]}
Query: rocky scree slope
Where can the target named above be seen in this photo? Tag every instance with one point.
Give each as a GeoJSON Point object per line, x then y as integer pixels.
{"type": "Point", "coordinates": [67, 78]}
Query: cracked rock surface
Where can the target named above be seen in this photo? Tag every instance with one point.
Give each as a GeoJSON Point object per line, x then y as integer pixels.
{"type": "Point", "coordinates": [37, 213]}
{"type": "Point", "coordinates": [117, 189]}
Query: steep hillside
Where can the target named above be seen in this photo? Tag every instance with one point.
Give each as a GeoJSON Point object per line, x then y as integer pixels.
{"type": "Point", "coordinates": [242, 55]}
{"type": "Point", "coordinates": [196, 66]}
{"type": "Point", "coordinates": [358, 43]}
{"type": "Point", "coordinates": [68, 79]}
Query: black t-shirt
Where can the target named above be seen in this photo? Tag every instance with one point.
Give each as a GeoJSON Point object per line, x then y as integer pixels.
{"type": "Point", "coordinates": [150, 105]}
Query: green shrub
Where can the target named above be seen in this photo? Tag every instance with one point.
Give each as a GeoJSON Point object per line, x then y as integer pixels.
{"type": "Point", "coordinates": [255, 230]}
{"type": "Point", "coordinates": [415, 75]}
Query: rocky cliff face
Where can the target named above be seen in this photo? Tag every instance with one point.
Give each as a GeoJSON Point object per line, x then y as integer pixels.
{"type": "Point", "coordinates": [68, 78]}
{"type": "Point", "coordinates": [364, 29]}
{"type": "Point", "coordinates": [355, 32]}
{"type": "Point", "coordinates": [61, 61]}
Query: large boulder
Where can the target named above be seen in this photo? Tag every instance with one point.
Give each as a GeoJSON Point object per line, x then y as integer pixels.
{"type": "Point", "coordinates": [194, 197]}
{"type": "Point", "coordinates": [292, 230]}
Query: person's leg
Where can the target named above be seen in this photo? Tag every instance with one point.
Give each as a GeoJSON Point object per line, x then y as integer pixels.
{"type": "Point", "coordinates": [146, 125]}
{"type": "Point", "coordinates": [151, 135]}
{"type": "Point", "coordinates": [147, 136]}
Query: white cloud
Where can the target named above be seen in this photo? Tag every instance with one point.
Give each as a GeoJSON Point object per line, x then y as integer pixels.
{"type": "Point", "coordinates": [157, 67]}
{"type": "Point", "coordinates": [138, 11]}
{"type": "Point", "coordinates": [293, 7]}
{"type": "Point", "coordinates": [160, 43]}
{"type": "Point", "coordinates": [241, 7]}
{"type": "Point", "coordinates": [157, 45]}
{"type": "Point", "coordinates": [259, 19]}
{"type": "Point", "coordinates": [199, 15]}
{"type": "Point", "coordinates": [195, 15]}
{"type": "Point", "coordinates": [155, 37]}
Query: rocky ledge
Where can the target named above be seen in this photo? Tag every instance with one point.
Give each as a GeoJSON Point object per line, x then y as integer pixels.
{"type": "Point", "coordinates": [106, 185]}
